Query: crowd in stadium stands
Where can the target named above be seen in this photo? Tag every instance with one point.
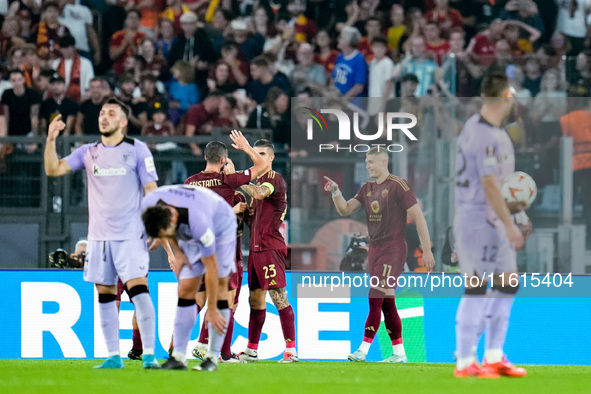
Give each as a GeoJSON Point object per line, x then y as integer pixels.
{"type": "Point", "coordinates": [186, 67]}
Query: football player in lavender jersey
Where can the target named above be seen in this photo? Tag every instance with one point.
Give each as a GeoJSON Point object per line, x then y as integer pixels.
{"type": "Point", "coordinates": [119, 170]}
{"type": "Point", "coordinates": [387, 201]}
{"type": "Point", "coordinates": [201, 229]}
{"type": "Point", "coordinates": [487, 237]}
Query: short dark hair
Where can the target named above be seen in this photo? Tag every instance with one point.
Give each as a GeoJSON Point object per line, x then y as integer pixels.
{"type": "Point", "coordinates": [380, 40]}
{"type": "Point", "coordinates": [67, 41]}
{"type": "Point", "coordinates": [156, 219]}
{"type": "Point", "coordinates": [231, 101]}
{"type": "Point", "coordinates": [214, 151]}
{"type": "Point", "coordinates": [16, 71]}
{"type": "Point", "coordinates": [494, 84]}
{"type": "Point", "coordinates": [263, 143]}
{"type": "Point", "coordinates": [121, 104]}
{"type": "Point", "coordinates": [49, 4]}
{"type": "Point", "coordinates": [134, 11]}
{"type": "Point", "coordinates": [260, 61]}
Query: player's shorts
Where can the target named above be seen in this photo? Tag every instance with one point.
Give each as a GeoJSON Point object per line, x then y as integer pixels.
{"type": "Point", "coordinates": [107, 260]}
{"type": "Point", "coordinates": [235, 281]}
{"type": "Point", "coordinates": [484, 250]}
{"type": "Point", "coordinates": [266, 270]}
{"type": "Point", "coordinates": [225, 253]}
{"type": "Point", "coordinates": [386, 262]}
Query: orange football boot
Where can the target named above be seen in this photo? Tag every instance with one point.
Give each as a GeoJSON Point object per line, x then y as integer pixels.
{"type": "Point", "coordinates": [475, 371]}
{"type": "Point", "coordinates": [505, 368]}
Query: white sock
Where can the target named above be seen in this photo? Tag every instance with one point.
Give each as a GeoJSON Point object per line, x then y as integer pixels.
{"type": "Point", "coordinates": [179, 356]}
{"type": "Point", "coordinates": [216, 340]}
{"type": "Point", "coordinates": [493, 355]}
{"type": "Point", "coordinates": [399, 350]}
{"type": "Point", "coordinates": [146, 321]}
{"type": "Point", "coordinates": [183, 325]}
{"type": "Point", "coordinates": [364, 347]}
{"type": "Point", "coordinates": [498, 323]}
{"type": "Point", "coordinates": [464, 362]}
{"type": "Point", "coordinates": [110, 325]}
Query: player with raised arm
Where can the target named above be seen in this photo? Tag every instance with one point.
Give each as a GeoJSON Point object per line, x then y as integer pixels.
{"type": "Point", "coordinates": [266, 261]}
{"type": "Point", "coordinates": [200, 227]}
{"type": "Point", "coordinates": [119, 170]}
{"type": "Point", "coordinates": [486, 236]}
{"type": "Point", "coordinates": [387, 201]}
{"type": "Point", "coordinates": [221, 177]}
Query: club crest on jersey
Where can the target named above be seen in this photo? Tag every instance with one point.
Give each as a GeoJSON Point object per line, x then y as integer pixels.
{"type": "Point", "coordinates": [375, 206]}
{"type": "Point", "coordinates": [368, 194]}
{"type": "Point", "coordinates": [384, 193]}
{"type": "Point", "coordinates": [490, 150]}
{"type": "Point", "coordinates": [97, 171]}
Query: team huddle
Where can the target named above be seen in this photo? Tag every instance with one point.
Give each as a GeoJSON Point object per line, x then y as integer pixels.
{"type": "Point", "coordinates": [199, 224]}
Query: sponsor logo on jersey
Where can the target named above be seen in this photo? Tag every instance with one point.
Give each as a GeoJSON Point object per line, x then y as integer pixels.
{"type": "Point", "coordinates": [97, 171]}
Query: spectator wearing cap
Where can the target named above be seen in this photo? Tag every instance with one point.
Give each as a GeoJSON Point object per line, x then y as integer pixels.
{"type": "Point", "coordinates": [350, 71]}
{"type": "Point", "coordinates": [77, 71]}
{"type": "Point", "coordinates": [89, 110]}
{"type": "Point", "coordinates": [49, 32]}
{"type": "Point", "coordinates": [173, 12]}
{"type": "Point", "coordinates": [139, 109]}
{"type": "Point", "coordinates": [57, 104]}
{"type": "Point", "coordinates": [251, 42]}
{"type": "Point", "coordinates": [158, 124]}
{"type": "Point", "coordinates": [79, 20]}
{"type": "Point", "coordinates": [125, 42]}
{"type": "Point", "coordinates": [193, 46]}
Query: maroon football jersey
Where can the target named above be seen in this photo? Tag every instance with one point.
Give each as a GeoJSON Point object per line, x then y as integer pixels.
{"type": "Point", "coordinates": [223, 184]}
{"type": "Point", "coordinates": [266, 215]}
{"type": "Point", "coordinates": [385, 208]}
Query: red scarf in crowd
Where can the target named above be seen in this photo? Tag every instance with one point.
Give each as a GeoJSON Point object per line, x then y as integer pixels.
{"type": "Point", "coordinates": [74, 88]}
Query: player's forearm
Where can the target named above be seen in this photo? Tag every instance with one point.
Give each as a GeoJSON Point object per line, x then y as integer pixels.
{"type": "Point", "coordinates": [260, 165]}
{"type": "Point", "coordinates": [423, 232]}
{"type": "Point", "coordinates": [496, 200]}
{"type": "Point", "coordinates": [256, 192]}
{"type": "Point", "coordinates": [50, 159]}
{"type": "Point", "coordinates": [341, 205]}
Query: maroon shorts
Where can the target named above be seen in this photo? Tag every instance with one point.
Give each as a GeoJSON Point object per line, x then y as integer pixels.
{"type": "Point", "coordinates": [266, 270]}
{"type": "Point", "coordinates": [386, 262]}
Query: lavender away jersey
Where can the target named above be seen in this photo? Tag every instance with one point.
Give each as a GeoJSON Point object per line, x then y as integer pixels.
{"type": "Point", "coordinates": [483, 149]}
{"type": "Point", "coordinates": [116, 178]}
{"type": "Point", "coordinates": [205, 218]}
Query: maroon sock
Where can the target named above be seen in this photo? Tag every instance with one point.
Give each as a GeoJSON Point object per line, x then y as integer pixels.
{"type": "Point", "coordinates": [391, 319]}
{"type": "Point", "coordinates": [226, 351]}
{"type": "Point", "coordinates": [255, 327]}
{"type": "Point", "coordinates": [288, 326]}
{"type": "Point", "coordinates": [204, 333]}
{"type": "Point", "coordinates": [374, 317]}
{"type": "Point", "coordinates": [137, 340]}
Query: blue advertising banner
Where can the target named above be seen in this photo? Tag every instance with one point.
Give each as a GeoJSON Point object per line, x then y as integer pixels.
{"type": "Point", "coordinates": [54, 315]}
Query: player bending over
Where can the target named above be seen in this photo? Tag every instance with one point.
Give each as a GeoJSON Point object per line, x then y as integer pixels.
{"type": "Point", "coordinates": [200, 227]}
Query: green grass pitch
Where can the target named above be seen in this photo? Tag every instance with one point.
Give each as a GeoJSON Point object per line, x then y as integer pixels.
{"type": "Point", "coordinates": [77, 376]}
